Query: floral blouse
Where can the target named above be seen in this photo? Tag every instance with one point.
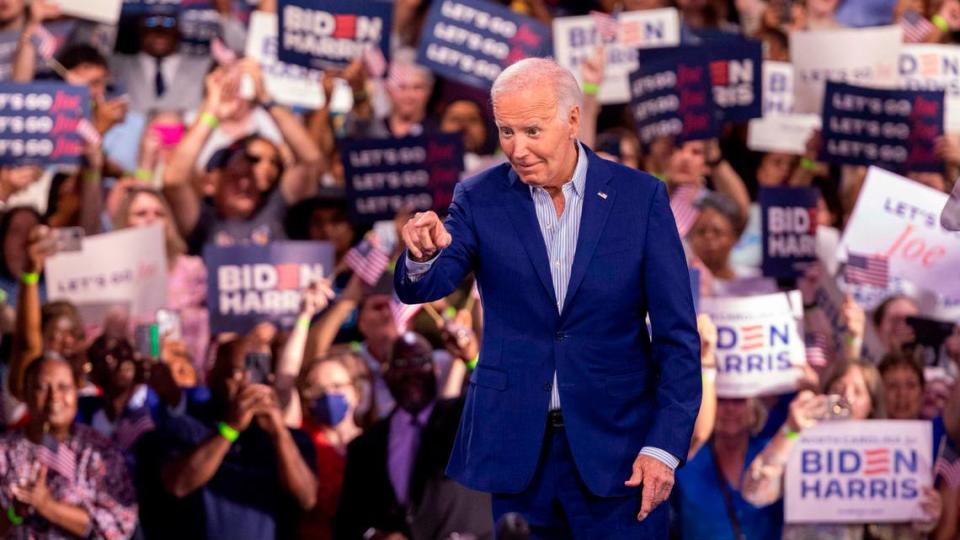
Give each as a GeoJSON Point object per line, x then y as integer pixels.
{"type": "Point", "coordinates": [85, 471]}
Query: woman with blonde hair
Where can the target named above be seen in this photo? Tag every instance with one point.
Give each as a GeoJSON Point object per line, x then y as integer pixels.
{"type": "Point", "coordinates": [186, 275]}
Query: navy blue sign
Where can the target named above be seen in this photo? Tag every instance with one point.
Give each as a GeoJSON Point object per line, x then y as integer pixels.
{"type": "Point", "coordinates": [670, 95]}
{"type": "Point", "coordinates": [789, 224]}
{"type": "Point", "coordinates": [472, 41]}
{"type": "Point", "coordinates": [385, 176]}
{"type": "Point", "coordinates": [331, 33]}
{"type": "Point", "coordinates": [39, 123]}
{"type": "Point", "coordinates": [736, 75]}
{"type": "Point", "coordinates": [893, 129]}
{"type": "Point", "coordinates": [249, 284]}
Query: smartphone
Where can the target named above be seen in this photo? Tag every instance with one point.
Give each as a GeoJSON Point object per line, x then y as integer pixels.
{"type": "Point", "coordinates": [247, 90]}
{"type": "Point", "coordinates": [258, 367]}
{"type": "Point", "coordinates": [386, 232]}
{"type": "Point", "coordinates": [115, 91]}
{"type": "Point", "coordinates": [168, 324]}
{"type": "Point", "coordinates": [837, 408]}
{"type": "Point", "coordinates": [68, 239]}
{"type": "Point", "coordinates": [147, 340]}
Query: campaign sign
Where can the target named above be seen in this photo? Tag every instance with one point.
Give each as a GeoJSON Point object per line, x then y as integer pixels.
{"type": "Point", "coordinates": [866, 471]}
{"type": "Point", "coordinates": [900, 220]}
{"type": "Point", "coordinates": [472, 41]}
{"type": "Point", "coordinates": [777, 88]}
{"type": "Point", "coordinates": [288, 83]}
{"type": "Point", "coordinates": [865, 57]}
{"type": "Point", "coordinates": [320, 34]}
{"type": "Point", "coordinates": [249, 284]}
{"type": "Point", "coordinates": [385, 176]}
{"type": "Point", "coordinates": [788, 218]}
{"type": "Point", "coordinates": [576, 38]}
{"type": "Point", "coordinates": [760, 350]}
{"type": "Point", "coordinates": [893, 129]}
{"type": "Point", "coordinates": [786, 133]}
{"type": "Point", "coordinates": [934, 67]}
{"type": "Point", "coordinates": [122, 267]}
{"type": "Point", "coordinates": [735, 76]}
{"type": "Point", "coordinates": [828, 298]}
{"type": "Point", "coordinates": [670, 95]}
{"type": "Point", "coordinates": [39, 121]}
{"type": "Point", "coordinates": [102, 11]}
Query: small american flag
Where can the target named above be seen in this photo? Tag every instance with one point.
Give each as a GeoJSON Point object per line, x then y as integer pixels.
{"type": "Point", "coordinates": [89, 133]}
{"type": "Point", "coordinates": [948, 464]}
{"type": "Point", "coordinates": [367, 261]}
{"type": "Point", "coordinates": [916, 28]}
{"type": "Point", "coordinates": [403, 313]}
{"type": "Point", "coordinates": [58, 457]}
{"type": "Point", "coordinates": [877, 461]}
{"type": "Point", "coordinates": [867, 270]}
{"type": "Point", "coordinates": [684, 212]}
{"type": "Point", "coordinates": [816, 348]}
{"type": "Point", "coordinates": [607, 25]}
{"type": "Point", "coordinates": [45, 42]}
{"type": "Point", "coordinates": [132, 426]}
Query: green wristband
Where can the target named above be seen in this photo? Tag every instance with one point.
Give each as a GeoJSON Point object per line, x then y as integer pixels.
{"type": "Point", "coordinates": [304, 323]}
{"type": "Point", "coordinates": [227, 432]}
{"type": "Point", "coordinates": [472, 364]}
{"type": "Point", "coordinates": [209, 120]}
{"type": "Point", "coordinates": [940, 23]}
{"type": "Point", "coordinates": [808, 164]}
{"type": "Point", "coordinates": [591, 89]}
{"type": "Point", "coordinates": [91, 176]}
{"type": "Point", "coordinates": [143, 174]}
{"type": "Point", "coordinates": [13, 517]}
{"type": "Point", "coordinates": [789, 434]}
{"type": "Point", "coordinates": [30, 278]}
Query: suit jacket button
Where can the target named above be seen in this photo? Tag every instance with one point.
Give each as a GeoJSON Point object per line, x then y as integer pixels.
{"type": "Point", "coordinates": [560, 336]}
{"type": "Point", "coordinates": [547, 386]}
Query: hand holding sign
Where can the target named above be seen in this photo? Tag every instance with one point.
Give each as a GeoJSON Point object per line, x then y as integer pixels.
{"type": "Point", "coordinates": [425, 235]}
{"type": "Point", "coordinates": [40, 245]}
{"type": "Point", "coordinates": [41, 10]}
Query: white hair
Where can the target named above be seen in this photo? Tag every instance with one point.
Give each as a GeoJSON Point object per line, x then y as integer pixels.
{"type": "Point", "coordinates": [539, 72]}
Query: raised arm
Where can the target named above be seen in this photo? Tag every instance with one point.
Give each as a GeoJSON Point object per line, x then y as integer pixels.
{"type": "Point", "coordinates": [591, 71]}
{"type": "Point", "coordinates": [25, 55]}
{"type": "Point", "coordinates": [726, 180]}
{"type": "Point", "coordinates": [177, 185]}
{"type": "Point", "coordinates": [703, 428]}
{"type": "Point", "coordinates": [28, 335]}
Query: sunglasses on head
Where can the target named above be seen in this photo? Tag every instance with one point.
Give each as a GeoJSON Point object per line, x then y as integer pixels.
{"type": "Point", "coordinates": [160, 21]}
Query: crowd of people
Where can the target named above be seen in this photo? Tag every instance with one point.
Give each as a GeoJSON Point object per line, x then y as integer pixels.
{"type": "Point", "coordinates": [341, 426]}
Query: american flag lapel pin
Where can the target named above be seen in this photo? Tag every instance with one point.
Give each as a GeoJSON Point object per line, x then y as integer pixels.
{"type": "Point", "coordinates": [602, 195]}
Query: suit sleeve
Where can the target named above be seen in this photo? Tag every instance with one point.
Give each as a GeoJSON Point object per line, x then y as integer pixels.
{"type": "Point", "coordinates": [675, 340]}
{"type": "Point", "coordinates": [450, 266]}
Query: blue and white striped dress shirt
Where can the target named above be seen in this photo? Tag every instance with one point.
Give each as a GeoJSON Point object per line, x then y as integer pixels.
{"type": "Point", "coordinates": [560, 237]}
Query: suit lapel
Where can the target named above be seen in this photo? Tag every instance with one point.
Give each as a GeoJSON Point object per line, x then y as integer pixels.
{"type": "Point", "coordinates": [596, 209]}
{"type": "Point", "coordinates": [523, 216]}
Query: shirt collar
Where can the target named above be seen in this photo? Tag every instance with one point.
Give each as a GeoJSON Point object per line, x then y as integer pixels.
{"type": "Point", "coordinates": [579, 179]}
{"type": "Point", "coordinates": [422, 417]}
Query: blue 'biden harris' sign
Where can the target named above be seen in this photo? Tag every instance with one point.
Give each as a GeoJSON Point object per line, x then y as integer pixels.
{"type": "Point", "coordinates": [39, 123]}
{"type": "Point", "coordinates": [472, 41]}
{"type": "Point", "coordinates": [249, 284]}
{"type": "Point", "coordinates": [321, 34]}
{"type": "Point", "coordinates": [789, 223]}
{"type": "Point", "coordinates": [736, 73]}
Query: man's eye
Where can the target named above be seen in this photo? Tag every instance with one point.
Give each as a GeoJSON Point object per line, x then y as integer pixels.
{"type": "Point", "coordinates": [533, 132]}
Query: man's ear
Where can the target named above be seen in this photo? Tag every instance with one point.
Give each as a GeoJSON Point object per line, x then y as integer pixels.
{"type": "Point", "coordinates": [573, 120]}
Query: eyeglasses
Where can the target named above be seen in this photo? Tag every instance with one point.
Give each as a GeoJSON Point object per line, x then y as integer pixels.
{"type": "Point", "coordinates": [160, 21]}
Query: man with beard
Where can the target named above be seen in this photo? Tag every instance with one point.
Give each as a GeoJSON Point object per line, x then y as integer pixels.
{"type": "Point", "coordinates": [394, 486]}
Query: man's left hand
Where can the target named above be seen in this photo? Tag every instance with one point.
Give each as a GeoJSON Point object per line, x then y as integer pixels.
{"type": "Point", "coordinates": [656, 479]}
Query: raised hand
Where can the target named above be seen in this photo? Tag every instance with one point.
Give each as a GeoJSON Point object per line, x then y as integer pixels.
{"type": "Point", "coordinates": [424, 235]}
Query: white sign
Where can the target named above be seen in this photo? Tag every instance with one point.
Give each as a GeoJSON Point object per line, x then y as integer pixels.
{"type": "Point", "coordinates": [934, 67]}
{"type": "Point", "coordinates": [104, 11]}
{"type": "Point", "coordinates": [867, 471]}
{"type": "Point", "coordinates": [128, 266]}
{"type": "Point", "coordinates": [576, 38]}
{"type": "Point", "coordinates": [900, 220]}
{"type": "Point", "coordinates": [759, 347]}
{"type": "Point", "coordinates": [777, 87]}
{"type": "Point", "coordinates": [863, 57]}
{"type": "Point", "coordinates": [787, 133]}
{"type": "Point", "coordinates": [288, 83]}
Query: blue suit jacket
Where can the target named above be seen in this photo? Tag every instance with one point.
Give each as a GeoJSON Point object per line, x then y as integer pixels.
{"type": "Point", "coordinates": [620, 390]}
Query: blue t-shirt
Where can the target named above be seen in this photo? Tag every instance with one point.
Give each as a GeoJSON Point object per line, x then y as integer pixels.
{"type": "Point", "coordinates": [698, 503]}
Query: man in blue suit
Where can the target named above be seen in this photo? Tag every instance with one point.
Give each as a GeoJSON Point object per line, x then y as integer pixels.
{"type": "Point", "coordinates": [576, 416]}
